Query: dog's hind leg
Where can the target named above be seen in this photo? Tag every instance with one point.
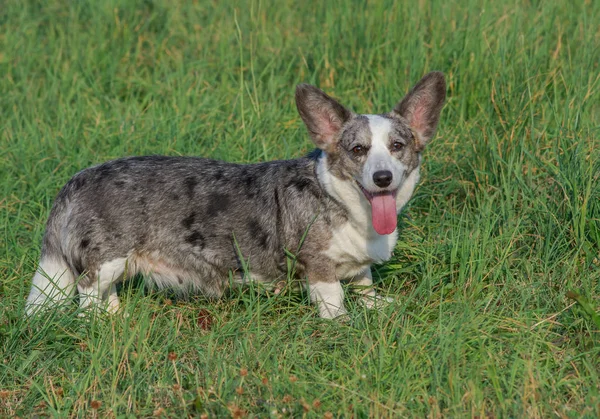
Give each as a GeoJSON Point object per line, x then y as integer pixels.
{"type": "Point", "coordinates": [363, 284]}
{"type": "Point", "coordinates": [99, 289]}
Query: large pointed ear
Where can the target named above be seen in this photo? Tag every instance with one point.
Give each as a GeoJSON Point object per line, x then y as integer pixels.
{"type": "Point", "coordinates": [422, 105]}
{"type": "Point", "coordinates": [322, 115]}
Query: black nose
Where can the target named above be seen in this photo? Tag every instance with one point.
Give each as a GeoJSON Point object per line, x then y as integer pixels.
{"type": "Point", "coordinates": [382, 178]}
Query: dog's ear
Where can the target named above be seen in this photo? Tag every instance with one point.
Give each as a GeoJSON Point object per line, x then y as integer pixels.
{"type": "Point", "coordinates": [322, 115]}
{"type": "Point", "coordinates": [422, 105]}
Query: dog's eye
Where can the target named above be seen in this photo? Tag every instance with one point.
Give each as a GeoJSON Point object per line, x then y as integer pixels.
{"type": "Point", "coordinates": [358, 150]}
{"type": "Point", "coordinates": [397, 146]}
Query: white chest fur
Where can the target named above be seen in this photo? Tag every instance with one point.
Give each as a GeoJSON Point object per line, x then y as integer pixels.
{"type": "Point", "coordinates": [353, 250]}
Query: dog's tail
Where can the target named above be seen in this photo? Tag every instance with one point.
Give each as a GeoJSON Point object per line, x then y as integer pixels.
{"type": "Point", "coordinates": [52, 284]}
{"type": "Point", "coordinates": [54, 280]}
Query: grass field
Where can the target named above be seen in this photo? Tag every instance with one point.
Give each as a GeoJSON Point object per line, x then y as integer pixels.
{"type": "Point", "coordinates": [500, 238]}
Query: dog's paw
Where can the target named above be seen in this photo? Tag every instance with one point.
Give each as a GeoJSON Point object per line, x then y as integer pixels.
{"type": "Point", "coordinates": [108, 309]}
{"type": "Point", "coordinates": [375, 301]}
{"type": "Point", "coordinates": [343, 319]}
{"type": "Point", "coordinates": [332, 313]}
{"type": "Point", "coordinates": [340, 317]}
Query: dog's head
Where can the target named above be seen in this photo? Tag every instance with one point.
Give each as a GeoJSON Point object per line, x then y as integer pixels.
{"type": "Point", "coordinates": [378, 152]}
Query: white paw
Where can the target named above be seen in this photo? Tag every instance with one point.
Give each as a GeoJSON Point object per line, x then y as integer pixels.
{"type": "Point", "coordinates": [375, 301]}
{"type": "Point", "coordinates": [109, 308]}
{"type": "Point", "coordinates": [112, 306]}
{"type": "Point", "coordinates": [328, 311]}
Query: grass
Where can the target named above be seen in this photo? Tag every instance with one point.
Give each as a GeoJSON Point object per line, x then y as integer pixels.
{"type": "Point", "coordinates": [496, 273]}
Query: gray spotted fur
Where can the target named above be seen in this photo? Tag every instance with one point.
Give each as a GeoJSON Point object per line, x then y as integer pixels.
{"type": "Point", "coordinates": [196, 213]}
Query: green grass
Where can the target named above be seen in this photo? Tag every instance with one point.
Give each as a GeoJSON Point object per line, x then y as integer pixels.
{"type": "Point", "coordinates": [505, 223]}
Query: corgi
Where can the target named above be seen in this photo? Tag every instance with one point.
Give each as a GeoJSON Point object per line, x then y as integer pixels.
{"type": "Point", "coordinates": [191, 224]}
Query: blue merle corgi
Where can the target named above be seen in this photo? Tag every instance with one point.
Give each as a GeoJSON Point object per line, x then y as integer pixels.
{"type": "Point", "coordinates": [191, 223]}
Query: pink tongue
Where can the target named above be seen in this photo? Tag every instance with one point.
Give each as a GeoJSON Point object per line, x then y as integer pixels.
{"type": "Point", "coordinates": [383, 213]}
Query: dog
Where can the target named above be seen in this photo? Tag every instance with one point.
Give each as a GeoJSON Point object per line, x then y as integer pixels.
{"type": "Point", "coordinates": [192, 224]}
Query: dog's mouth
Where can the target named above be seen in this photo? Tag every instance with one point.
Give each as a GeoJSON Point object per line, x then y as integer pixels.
{"type": "Point", "coordinates": [383, 210]}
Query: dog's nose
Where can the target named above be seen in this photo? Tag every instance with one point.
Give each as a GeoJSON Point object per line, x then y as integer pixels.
{"type": "Point", "coordinates": [382, 178]}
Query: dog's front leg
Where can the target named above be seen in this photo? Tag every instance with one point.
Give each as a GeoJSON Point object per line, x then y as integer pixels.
{"type": "Point", "coordinates": [327, 293]}
{"type": "Point", "coordinates": [363, 284]}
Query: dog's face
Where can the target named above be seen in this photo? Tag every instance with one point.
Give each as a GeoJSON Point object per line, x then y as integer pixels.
{"type": "Point", "coordinates": [377, 152]}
